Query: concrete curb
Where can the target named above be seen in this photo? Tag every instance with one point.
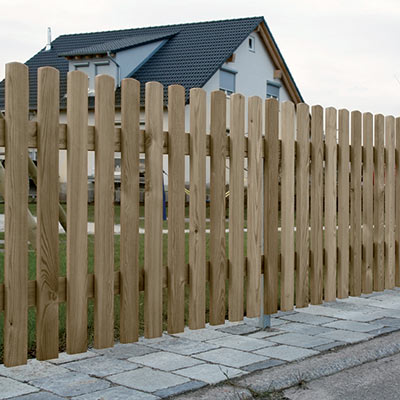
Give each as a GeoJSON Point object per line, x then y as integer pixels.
{"type": "Point", "coordinates": [297, 373]}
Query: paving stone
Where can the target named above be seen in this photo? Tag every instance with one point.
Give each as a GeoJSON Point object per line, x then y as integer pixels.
{"type": "Point", "coordinates": [244, 343]}
{"type": "Point", "coordinates": [201, 335]}
{"type": "Point", "coordinates": [382, 331]}
{"type": "Point", "coordinates": [183, 346]}
{"type": "Point", "coordinates": [304, 328]}
{"type": "Point", "coordinates": [11, 388]}
{"type": "Point", "coordinates": [176, 390]}
{"type": "Point", "coordinates": [71, 384]}
{"type": "Point", "coordinates": [39, 396]}
{"type": "Point", "coordinates": [64, 357]}
{"type": "Point", "coordinates": [101, 366]}
{"type": "Point", "coordinates": [308, 319]}
{"type": "Point", "coordinates": [210, 373]}
{"type": "Point", "coordinates": [329, 346]}
{"type": "Point", "coordinates": [345, 336]}
{"type": "Point", "coordinates": [147, 379]}
{"type": "Point", "coordinates": [319, 310]}
{"type": "Point", "coordinates": [263, 365]}
{"type": "Point", "coordinates": [232, 358]}
{"type": "Point", "coordinates": [301, 340]}
{"type": "Point", "coordinates": [165, 361]}
{"type": "Point", "coordinates": [389, 321]}
{"type": "Point", "coordinates": [287, 353]}
{"type": "Point", "coordinates": [117, 393]}
{"type": "Point", "coordinates": [34, 369]}
{"type": "Point", "coordinates": [265, 334]}
{"type": "Point", "coordinates": [242, 329]}
{"type": "Point", "coordinates": [125, 351]}
{"type": "Point", "coordinates": [276, 322]}
{"type": "Point", "coordinates": [354, 326]}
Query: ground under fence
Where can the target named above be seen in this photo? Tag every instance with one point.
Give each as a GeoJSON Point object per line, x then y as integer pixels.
{"type": "Point", "coordinates": [320, 218]}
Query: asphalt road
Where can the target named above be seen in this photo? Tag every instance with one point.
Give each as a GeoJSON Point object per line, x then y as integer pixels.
{"type": "Point", "coordinates": [376, 380]}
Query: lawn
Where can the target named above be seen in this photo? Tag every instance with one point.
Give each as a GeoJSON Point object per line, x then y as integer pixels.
{"type": "Point", "coordinates": [62, 307]}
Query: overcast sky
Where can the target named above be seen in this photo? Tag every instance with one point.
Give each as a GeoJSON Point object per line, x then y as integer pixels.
{"type": "Point", "coordinates": [342, 53]}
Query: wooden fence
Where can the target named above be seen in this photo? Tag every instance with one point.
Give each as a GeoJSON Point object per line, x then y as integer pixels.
{"type": "Point", "coordinates": [322, 211]}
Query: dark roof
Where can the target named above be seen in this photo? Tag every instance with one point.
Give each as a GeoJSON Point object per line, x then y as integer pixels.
{"type": "Point", "coordinates": [119, 44]}
{"type": "Point", "coordinates": [192, 54]}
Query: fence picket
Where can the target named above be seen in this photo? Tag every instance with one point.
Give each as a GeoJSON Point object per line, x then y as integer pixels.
{"type": "Point", "coordinates": [355, 205]}
{"type": "Point", "coordinates": [77, 198]}
{"type": "Point", "coordinates": [153, 260]}
{"type": "Point", "coordinates": [236, 208]}
{"type": "Point", "coordinates": [330, 204]}
{"type": "Point", "coordinates": [104, 213]}
{"type": "Point", "coordinates": [287, 206]}
{"type": "Point", "coordinates": [254, 192]}
{"type": "Point", "coordinates": [368, 210]}
{"type": "Point", "coordinates": [390, 203]}
{"type": "Point", "coordinates": [197, 209]}
{"type": "Point", "coordinates": [47, 260]}
{"type": "Point", "coordinates": [397, 199]}
{"type": "Point", "coordinates": [302, 204]}
{"type": "Point", "coordinates": [129, 240]}
{"type": "Point", "coordinates": [16, 205]}
{"type": "Point", "coordinates": [217, 208]}
{"type": "Point", "coordinates": [176, 209]}
{"type": "Point", "coordinates": [379, 204]}
{"type": "Point", "coordinates": [343, 206]}
{"type": "Point", "coordinates": [271, 199]}
{"type": "Point", "coordinates": [316, 207]}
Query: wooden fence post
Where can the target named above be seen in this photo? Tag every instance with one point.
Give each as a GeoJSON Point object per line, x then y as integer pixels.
{"type": "Point", "coordinates": [236, 208]}
{"type": "Point", "coordinates": [176, 209]}
{"type": "Point", "coordinates": [16, 205]}
{"type": "Point", "coordinates": [77, 198]}
{"type": "Point", "coordinates": [197, 210]}
{"type": "Point", "coordinates": [129, 240]}
{"type": "Point", "coordinates": [104, 213]}
{"type": "Point", "coordinates": [47, 260]}
{"type": "Point", "coordinates": [397, 199]}
{"type": "Point", "coordinates": [153, 259]}
{"type": "Point", "coordinates": [254, 204]}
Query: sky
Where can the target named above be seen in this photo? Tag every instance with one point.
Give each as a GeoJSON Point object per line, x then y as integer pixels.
{"type": "Point", "coordinates": [342, 53]}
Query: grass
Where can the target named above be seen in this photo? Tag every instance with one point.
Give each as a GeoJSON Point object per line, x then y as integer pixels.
{"type": "Point", "coordinates": [62, 259]}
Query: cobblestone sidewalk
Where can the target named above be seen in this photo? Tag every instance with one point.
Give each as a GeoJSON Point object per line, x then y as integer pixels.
{"type": "Point", "coordinates": [174, 364]}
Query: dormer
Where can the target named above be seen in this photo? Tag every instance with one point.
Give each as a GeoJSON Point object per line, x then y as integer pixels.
{"type": "Point", "coordinates": [118, 58]}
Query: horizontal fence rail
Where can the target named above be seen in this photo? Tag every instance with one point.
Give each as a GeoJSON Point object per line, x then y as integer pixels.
{"type": "Point", "coordinates": [313, 207]}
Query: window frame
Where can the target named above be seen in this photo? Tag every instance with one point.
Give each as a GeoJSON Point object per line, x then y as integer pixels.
{"type": "Point", "coordinates": [276, 85]}
{"type": "Point", "coordinates": [228, 91]}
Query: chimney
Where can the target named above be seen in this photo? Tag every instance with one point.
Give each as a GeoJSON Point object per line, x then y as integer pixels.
{"type": "Point", "coordinates": [48, 45]}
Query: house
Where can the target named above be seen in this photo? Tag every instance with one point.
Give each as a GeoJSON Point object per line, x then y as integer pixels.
{"type": "Point", "coordinates": [238, 55]}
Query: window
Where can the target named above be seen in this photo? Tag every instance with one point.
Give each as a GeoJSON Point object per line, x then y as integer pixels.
{"type": "Point", "coordinates": [273, 89]}
{"type": "Point", "coordinates": [102, 67]}
{"type": "Point", "coordinates": [252, 43]}
{"type": "Point", "coordinates": [227, 80]}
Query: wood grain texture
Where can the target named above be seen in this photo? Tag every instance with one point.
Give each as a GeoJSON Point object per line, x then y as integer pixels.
{"type": "Point", "coordinates": [390, 210]}
{"type": "Point", "coordinates": [316, 207]}
{"type": "Point", "coordinates": [217, 208]}
{"type": "Point", "coordinates": [129, 239]}
{"type": "Point", "coordinates": [368, 204]}
{"type": "Point", "coordinates": [302, 205]}
{"type": "Point", "coordinates": [47, 260]}
{"type": "Point", "coordinates": [287, 206]}
{"type": "Point", "coordinates": [379, 204]}
{"type": "Point", "coordinates": [176, 209]}
{"type": "Point", "coordinates": [343, 206]}
{"type": "Point", "coordinates": [197, 210]}
{"type": "Point", "coordinates": [236, 208]}
{"type": "Point", "coordinates": [77, 198]}
{"type": "Point", "coordinates": [16, 205]}
{"type": "Point", "coordinates": [104, 213]}
{"type": "Point", "coordinates": [271, 196]}
{"type": "Point", "coordinates": [355, 205]}
{"type": "Point", "coordinates": [397, 200]}
{"type": "Point", "coordinates": [153, 211]}
{"type": "Point", "coordinates": [254, 207]}
{"type": "Point", "coordinates": [330, 204]}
